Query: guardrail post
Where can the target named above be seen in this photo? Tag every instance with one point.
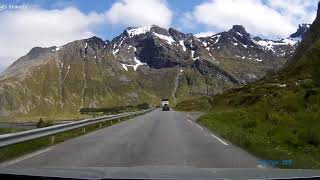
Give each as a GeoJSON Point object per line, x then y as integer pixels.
{"type": "Point", "coordinates": [100, 125]}
{"type": "Point", "coordinates": [111, 122]}
{"type": "Point", "coordinates": [84, 130]}
{"type": "Point", "coordinates": [52, 139]}
{"type": "Point", "coordinates": [118, 119]}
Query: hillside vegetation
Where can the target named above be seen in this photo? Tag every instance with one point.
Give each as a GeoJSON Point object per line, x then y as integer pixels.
{"type": "Point", "coordinates": [277, 118]}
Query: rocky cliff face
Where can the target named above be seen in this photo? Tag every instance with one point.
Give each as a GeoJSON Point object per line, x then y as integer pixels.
{"type": "Point", "coordinates": [140, 65]}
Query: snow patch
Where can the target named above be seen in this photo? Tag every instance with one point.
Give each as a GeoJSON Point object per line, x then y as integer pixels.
{"type": "Point", "coordinates": [246, 46]}
{"type": "Point", "coordinates": [269, 44]}
{"type": "Point", "coordinates": [134, 48]}
{"type": "Point", "coordinates": [135, 67]}
{"type": "Point", "coordinates": [205, 43]}
{"type": "Point", "coordinates": [124, 67]}
{"type": "Point", "coordinates": [196, 58]}
{"type": "Point", "coordinates": [182, 44]}
{"type": "Point", "coordinates": [57, 48]}
{"type": "Point", "coordinates": [114, 52]}
{"type": "Point", "coordinates": [292, 41]}
{"type": "Point", "coordinates": [168, 39]}
{"type": "Point", "coordinates": [218, 38]}
{"type": "Point", "coordinates": [192, 53]}
{"type": "Point", "coordinates": [239, 34]}
{"type": "Point", "coordinates": [122, 41]}
{"type": "Point", "coordinates": [138, 31]}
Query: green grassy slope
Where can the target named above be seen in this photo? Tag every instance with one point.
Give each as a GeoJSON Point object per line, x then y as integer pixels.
{"type": "Point", "coordinates": [277, 118]}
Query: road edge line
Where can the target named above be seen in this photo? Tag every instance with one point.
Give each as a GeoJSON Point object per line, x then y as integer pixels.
{"type": "Point", "coordinates": [22, 158]}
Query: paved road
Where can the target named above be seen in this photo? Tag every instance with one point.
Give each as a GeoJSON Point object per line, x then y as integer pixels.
{"type": "Point", "coordinates": [157, 138]}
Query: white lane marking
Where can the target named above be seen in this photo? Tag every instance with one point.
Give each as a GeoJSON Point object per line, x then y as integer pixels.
{"type": "Point", "coordinates": [8, 163]}
{"type": "Point", "coordinates": [189, 116]}
{"type": "Point", "coordinates": [195, 124]}
{"type": "Point", "coordinates": [199, 126]}
{"type": "Point", "coordinates": [224, 143]}
{"type": "Point", "coordinates": [220, 140]}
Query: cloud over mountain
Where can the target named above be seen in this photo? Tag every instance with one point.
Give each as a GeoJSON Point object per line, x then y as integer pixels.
{"type": "Point", "coordinates": [271, 18]}
{"type": "Point", "coordinates": [140, 13]}
{"type": "Point", "coordinates": [22, 30]}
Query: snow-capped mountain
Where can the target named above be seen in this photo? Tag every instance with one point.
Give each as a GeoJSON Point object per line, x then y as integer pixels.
{"type": "Point", "coordinates": [142, 64]}
{"type": "Point", "coordinates": [156, 47]}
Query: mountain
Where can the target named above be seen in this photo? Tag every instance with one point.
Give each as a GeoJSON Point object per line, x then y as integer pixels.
{"type": "Point", "coordinates": [303, 28]}
{"type": "Point", "coordinates": [140, 65]}
{"type": "Point", "coordinates": [278, 116]}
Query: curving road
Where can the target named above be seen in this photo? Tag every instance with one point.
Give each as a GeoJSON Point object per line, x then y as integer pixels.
{"type": "Point", "coordinates": [156, 138]}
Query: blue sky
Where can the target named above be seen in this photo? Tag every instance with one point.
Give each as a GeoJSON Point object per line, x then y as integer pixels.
{"type": "Point", "coordinates": [179, 9]}
{"type": "Point", "coordinates": [100, 6]}
{"type": "Point", "coordinates": [47, 23]}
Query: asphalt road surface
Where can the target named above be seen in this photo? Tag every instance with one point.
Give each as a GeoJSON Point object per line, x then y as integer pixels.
{"type": "Point", "coordinates": [156, 138]}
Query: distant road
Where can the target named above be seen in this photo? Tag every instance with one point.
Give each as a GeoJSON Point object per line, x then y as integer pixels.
{"type": "Point", "coordinates": [156, 138]}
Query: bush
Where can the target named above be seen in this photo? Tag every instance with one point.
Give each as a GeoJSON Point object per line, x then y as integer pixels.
{"type": "Point", "coordinates": [307, 83]}
{"type": "Point", "coordinates": [274, 118]}
{"type": "Point", "coordinates": [41, 123]}
{"type": "Point", "coordinates": [310, 136]}
{"type": "Point", "coordinates": [249, 124]}
{"type": "Point", "coordinates": [143, 106]}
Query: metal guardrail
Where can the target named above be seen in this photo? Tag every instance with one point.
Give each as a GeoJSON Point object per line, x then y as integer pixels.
{"type": "Point", "coordinates": [14, 138]}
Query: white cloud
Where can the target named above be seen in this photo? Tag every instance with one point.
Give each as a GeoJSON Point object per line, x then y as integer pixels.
{"type": "Point", "coordinates": [271, 19]}
{"type": "Point", "coordinates": [301, 11]}
{"type": "Point", "coordinates": [22, 30]}
{"type": "Point", "coordinates": [140, 13]}
{"type": "Point", "coordinates": [205, 34]}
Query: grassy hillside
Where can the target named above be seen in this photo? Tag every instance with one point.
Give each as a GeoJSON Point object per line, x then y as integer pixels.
{"type": "Point", "coordinates": [277, 118]}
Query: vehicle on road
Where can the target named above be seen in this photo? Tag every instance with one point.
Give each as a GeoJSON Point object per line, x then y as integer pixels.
{"type": "Point", "coordinates": [165, 105]}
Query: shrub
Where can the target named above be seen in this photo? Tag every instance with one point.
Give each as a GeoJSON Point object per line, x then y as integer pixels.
{"type": "Point", "coordinates": [249, 124]}
{"type": "Point", "coordinates": [143, 106]}
{"type": "Point", "coordinates": [310, 136]}
{"type": "Point", "coordinates": [307, 83]}
{"type": "Point", "coordinates": [41, 123]}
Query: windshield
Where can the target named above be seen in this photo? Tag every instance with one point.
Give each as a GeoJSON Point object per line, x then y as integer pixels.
{"type": "Point", "coordinates": [191, 85]}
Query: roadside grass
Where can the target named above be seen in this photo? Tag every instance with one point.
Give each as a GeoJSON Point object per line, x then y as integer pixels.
{"type": "Point", "coordinates": [266, 139]}
{"type": "Point", "coordinates": [10, 130]}
{"type": "Point", "coordinates": [271, 121]}
{"type": "Point", "coordinates": [20, 149]}
{"type": "Point", "coordinates": [201, 104]}
{"type": "Point", "coordinates": [35, 118]}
